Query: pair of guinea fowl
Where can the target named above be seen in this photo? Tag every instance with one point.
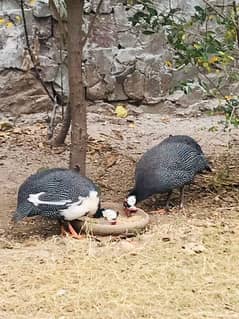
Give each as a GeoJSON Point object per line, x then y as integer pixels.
{"type": "Point", "coordinates": [65, 195]}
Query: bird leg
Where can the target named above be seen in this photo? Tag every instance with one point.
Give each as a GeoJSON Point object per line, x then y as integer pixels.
{"type": "Point", "coordinates": [181, 197]}
{"type": "Point", "coordinates": [71, 231]}
{"type": "Point", "coordinates": [168, 201]}
{"type": "Point", "coordinates": [165, 210]}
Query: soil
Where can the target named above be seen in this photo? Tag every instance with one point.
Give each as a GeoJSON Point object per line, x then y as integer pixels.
{"type": "Point", "coordinates": [114, 146]}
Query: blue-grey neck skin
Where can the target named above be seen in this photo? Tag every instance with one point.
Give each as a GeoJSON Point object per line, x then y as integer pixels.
{"type": "Point", "coordinates": [141, 194]}
{"type": "Point", "coordinates": [138, 195]}
{"type": "Point", "coordinates": [99, 212]}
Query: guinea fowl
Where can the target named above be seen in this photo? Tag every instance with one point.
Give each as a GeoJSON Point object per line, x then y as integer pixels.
{"type": "Point", "coordinates": [185, 139]}
{"type": "Point", "coordinates": [171, 164]}
{"type": "Point", "coordinates": [61, 194]}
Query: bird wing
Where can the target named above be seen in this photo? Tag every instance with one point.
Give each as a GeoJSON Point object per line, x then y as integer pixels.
{"type": "Point", "coordinates": [48, 193]}
{"type": "Point", "coordinates": [52, 191]}
{"type": "Point", "coordinates": [49, 198]}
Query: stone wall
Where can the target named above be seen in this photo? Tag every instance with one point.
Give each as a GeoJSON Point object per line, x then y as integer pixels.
{"type": "Point", "coordinates": [120, 63]}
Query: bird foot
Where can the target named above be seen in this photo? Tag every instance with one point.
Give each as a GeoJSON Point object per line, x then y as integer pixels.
{"type": "Point", "coordinates": [72, 233]}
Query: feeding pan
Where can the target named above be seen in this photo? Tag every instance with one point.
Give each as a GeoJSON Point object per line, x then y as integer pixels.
{"type": "Point", "coordinates": [124, 226]}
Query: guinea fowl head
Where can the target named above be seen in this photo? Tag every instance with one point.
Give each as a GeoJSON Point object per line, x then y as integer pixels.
{"type": "Point", "coordinates": [109, 214]}
{"type": "Point", "coordinates": [130, 202]}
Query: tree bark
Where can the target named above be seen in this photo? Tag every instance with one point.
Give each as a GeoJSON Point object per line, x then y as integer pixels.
{"type": "Point", "coordinates": [77, 91]}
{"type": "Point", "coordinates": [61, 136]}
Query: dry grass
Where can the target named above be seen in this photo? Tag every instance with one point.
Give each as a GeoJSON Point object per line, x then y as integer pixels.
{"type": "Point", "coordinates": [151, 276]}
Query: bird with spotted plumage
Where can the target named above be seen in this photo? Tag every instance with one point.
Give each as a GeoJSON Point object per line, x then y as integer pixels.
{"type": "Point", "coordinates": [61, 194]}
{"type": "Point", "coordinates": [185, 139]}
{"type": "Point", "coordinates": [170, 165]}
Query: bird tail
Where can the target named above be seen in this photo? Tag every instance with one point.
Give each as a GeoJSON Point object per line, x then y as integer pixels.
{"type": "Point", "coordinates": [206, 168]}
{"type": "Point", "coordinates": [17, 216]}
{"type": "Point", "coordinates": [23, 210]}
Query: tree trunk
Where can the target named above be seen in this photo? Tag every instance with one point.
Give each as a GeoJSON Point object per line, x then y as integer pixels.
{"type": "Point", "coordinates": [61, 136]}
{"type": "Point", "coordinates": [77, 91]}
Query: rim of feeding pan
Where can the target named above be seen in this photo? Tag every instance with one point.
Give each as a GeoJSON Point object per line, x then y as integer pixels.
{"type": "Point", "coordinates": [94, 226]}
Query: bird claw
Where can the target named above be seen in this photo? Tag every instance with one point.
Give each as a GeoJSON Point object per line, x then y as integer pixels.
{"type": "Point", "coordinates": [72, 233]}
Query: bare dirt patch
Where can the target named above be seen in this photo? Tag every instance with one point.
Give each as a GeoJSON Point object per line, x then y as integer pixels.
{"type": "Point", "coordinates": [184, 266]}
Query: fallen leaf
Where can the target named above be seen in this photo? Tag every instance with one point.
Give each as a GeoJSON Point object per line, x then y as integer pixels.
{"type": "Point", "coordinates": [4, 134]}
{"type": "Point", "coordinates": [17, 130]}
{"type": "Point", "coordinates": [59, 150]}
{"type": "Point", "coordinates": [165, 120]}
{"type": "Point", "coordinates": [169, 64]}
{"type": "Point", "coordinates": [111, 160]}
{"type": "Point", "coordinates": [41, 145]}
{"type": "Point", "coordinates": [5, 244]}
{"type": "Point", "coordinates": [118, 134]}
{"type": "Point", "coordinates": [18, 18]}
{"type": "Point", "coordinates": [121, 111]}
{"type": "Point", "coordinates": [9, 24]}
{"type": "Point", "coordinates": [5, 126]}
{"type": "Point", "coordinates": [32, 2]}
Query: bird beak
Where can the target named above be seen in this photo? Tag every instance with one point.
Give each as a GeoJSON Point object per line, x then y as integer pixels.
{"type": "Point", "coordinates": [129, 210]}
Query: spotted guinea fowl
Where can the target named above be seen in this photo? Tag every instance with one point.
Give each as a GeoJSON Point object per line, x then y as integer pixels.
{"type": "Point", "coordinates": [61, 194]}
{"type": "Point", "coordinates": [171, 164]}
{"type": "Point", "coordinates": [183, 139]}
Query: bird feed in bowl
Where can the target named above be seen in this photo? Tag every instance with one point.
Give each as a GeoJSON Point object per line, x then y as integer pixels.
{"type": "Point", "coordinates": [124, 225]}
